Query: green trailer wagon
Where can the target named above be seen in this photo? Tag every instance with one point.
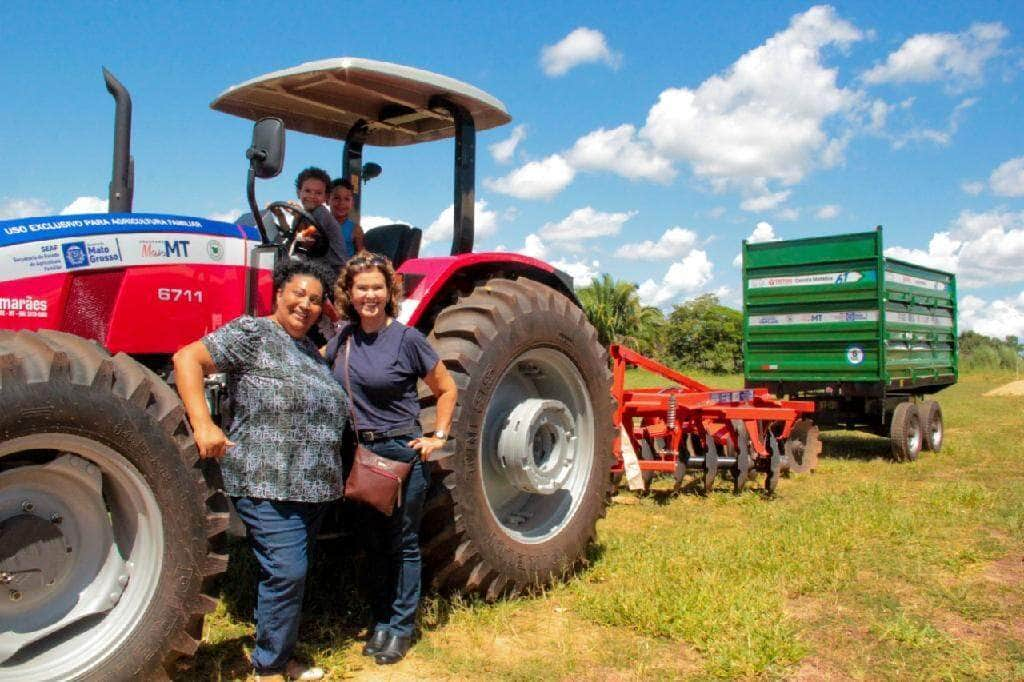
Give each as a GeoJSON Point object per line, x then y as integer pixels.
{"type": "Point", "coordinates": [867, 338]}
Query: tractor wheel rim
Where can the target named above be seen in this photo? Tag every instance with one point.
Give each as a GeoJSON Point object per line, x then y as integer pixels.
{"type": "Point", "coordinates": [914, 438]}
{"type": "Point", "coordinates": [537, 453]}
{"type": "Point", "coordinates": [105, 516]}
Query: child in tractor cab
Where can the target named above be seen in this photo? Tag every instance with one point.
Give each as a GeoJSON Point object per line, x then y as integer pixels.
{"type": "Point", "coordinates": [311, 189]}
{"type": "Point", "coordinates": [341, 201]}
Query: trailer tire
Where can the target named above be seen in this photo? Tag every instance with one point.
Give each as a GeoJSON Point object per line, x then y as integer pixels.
{"type": "Point", "coordinates": [521, 354]}
{"type": "Point", "coordinates": [932, 428]}
{"type": "Point", "coordinates": [113, 502]}
{"type": "Point", "coordinates": [905, 432]}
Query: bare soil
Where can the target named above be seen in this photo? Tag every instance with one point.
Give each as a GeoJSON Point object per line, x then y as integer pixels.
{"type": "Point", "coordinates": [1014, 388]}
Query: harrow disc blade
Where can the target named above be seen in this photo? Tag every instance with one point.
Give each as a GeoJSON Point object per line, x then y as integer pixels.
{"type": "Point", "coordinates": [710, 465]}
{"type": "Point", "coordinates": [741, 470]}
{"type": "Point", "coordinates": [802, 448]}
{"type": "Point", "coordinates": [771, 481]}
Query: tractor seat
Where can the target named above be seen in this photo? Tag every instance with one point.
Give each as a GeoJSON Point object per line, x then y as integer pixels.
{"type": "Point", "coordinates": [398, 242]}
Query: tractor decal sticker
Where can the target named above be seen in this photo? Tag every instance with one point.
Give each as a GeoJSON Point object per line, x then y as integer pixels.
{"type": "Point", "coordinates": [24, 230]}
{"type": "Point", "coordinates": [818, 279]}
{"type": "Point", "coordinates": [26, 306]}
{"type": "Point", "coordinates": [918, 282]}
{"type": "Point", "coordinates": [855, 355]}
{"type": "Point", "coordinates": [93, 253]}
{"type": "Point", "coordinates": [815, 318]}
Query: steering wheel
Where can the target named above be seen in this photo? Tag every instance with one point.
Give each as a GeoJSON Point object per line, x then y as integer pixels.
{"type": "Point", "coordinates": [288, 236]}
{"type": "Point", "coordinates": [286, 231]}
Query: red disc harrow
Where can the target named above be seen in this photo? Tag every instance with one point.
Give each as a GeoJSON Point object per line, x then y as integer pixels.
{"type": "Point", "coordinates": [694, 428]}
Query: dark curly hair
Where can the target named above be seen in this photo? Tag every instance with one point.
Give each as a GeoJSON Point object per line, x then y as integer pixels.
{"type": "Point", "coordinates": [341, 182]}
{"type": "Point", "coordinates": [364, 261]}
{"type": "Point", "coordinates": [285, 270]}
{"type": "Point", "coordinates": [313, 173]}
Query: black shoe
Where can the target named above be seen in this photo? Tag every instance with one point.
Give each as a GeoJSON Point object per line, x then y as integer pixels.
{"type": "Point", "coordinates": [394, 650]}
{"type": "Point", "coordinates": [375, 643]}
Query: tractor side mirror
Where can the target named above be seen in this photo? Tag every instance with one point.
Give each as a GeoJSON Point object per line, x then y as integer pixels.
{"type": "Point", "coordinates": [266, 155]}
{"type": "Point", "coordinates": [371, 170]}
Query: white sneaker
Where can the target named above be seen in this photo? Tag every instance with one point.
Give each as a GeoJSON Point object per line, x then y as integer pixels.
{"type": "Point", "coordinates": [299, 671]}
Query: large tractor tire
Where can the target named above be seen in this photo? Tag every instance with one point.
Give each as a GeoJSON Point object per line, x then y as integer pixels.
{"type": "Point", "coordinates": [107, 522]}
{"type": "Point", "coordinates": [515, 506]}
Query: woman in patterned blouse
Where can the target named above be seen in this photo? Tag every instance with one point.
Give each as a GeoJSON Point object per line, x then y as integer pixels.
{"type": "Point", "coordinates": [281, 456]}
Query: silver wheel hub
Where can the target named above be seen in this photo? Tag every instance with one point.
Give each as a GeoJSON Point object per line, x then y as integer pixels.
{"type": "Point", "coordinates": [81, 549]}
{"type": "Point", "coordinates": [536, 448]}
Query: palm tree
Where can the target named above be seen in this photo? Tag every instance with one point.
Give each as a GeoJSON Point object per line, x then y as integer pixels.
{"type": "Point", "coordinates": [616, 313]}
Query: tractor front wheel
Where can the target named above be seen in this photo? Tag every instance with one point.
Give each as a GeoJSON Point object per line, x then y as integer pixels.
{"type": "Point", "coordinates": [105, 518]}
{"type": "Point", "coordinates": [515, 507]}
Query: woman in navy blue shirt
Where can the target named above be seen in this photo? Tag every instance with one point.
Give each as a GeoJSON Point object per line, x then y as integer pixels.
{"type": "Point", "coordinates": [385, 360]}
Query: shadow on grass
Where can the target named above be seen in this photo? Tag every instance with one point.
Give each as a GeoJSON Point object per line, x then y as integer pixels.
{"type": "Point", "coordinates": [854, 445]}
{"type": "Point", "coordinates": [225, 660]}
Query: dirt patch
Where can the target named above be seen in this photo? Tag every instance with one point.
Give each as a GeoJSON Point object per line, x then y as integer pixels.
{"type": "Point", "coordinates": [1007, 571]}
{"type": "Point", "coordinates": [1014, 388]}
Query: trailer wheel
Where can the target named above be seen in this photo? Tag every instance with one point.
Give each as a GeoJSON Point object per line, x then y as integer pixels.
{"type": "Point", "coordinates": [930, 415]}
{"type": "Point", "coordinates": [905, 432]}
{"type": "Point", "coordinates": [106, 519]}
{"type": "Point", "coordinates": [515, 506]}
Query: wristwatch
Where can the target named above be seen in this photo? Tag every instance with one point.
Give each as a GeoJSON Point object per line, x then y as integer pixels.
{"type": "Point", "coordinates": [441, 434]}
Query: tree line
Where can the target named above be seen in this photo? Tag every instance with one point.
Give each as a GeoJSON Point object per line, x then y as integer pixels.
{"type": "Point", "coordinates": [706, 335]}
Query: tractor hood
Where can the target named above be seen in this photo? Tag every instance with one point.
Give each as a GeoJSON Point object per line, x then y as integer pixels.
{"type": "Point", "coordinates": [327, 97]}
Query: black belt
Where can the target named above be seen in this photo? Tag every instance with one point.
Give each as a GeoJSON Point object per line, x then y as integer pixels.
{"type": "Point", "coordinates": [367, 436]}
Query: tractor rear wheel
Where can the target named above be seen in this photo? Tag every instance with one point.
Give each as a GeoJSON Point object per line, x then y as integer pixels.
{"type": "Point", "coordinates": [515, 506]}
{"type": "Point", "coordinates": [106, 519]}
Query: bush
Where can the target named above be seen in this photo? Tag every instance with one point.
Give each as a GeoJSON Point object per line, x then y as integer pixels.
{"type": "Point", "coordinates": [978, 351]}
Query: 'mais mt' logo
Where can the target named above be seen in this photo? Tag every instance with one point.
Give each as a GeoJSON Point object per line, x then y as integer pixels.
{"type": "Point", "coordinates": [164, 248]}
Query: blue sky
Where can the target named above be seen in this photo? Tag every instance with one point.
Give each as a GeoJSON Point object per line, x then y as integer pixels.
{"type": "Point", "coordinates": [648, 139]}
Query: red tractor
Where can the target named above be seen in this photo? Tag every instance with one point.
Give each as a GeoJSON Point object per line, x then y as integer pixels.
{"type": "Point", "coordinates": [111, 528]}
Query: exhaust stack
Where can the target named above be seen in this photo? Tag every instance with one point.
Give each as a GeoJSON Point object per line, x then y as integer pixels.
{"type": "Point", "coordinates": [122, 178]}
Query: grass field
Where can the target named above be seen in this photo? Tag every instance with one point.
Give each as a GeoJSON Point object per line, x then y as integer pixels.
{"type": "Point", "coordinates": [864, 570]}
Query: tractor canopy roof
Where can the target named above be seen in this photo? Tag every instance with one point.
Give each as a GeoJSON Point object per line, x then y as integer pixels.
{"type": "Point", "coordinates": [399, 104]}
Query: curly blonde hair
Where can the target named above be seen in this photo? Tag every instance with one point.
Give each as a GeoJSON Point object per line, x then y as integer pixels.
{"type": "Point", "coordinates": [364, 261]}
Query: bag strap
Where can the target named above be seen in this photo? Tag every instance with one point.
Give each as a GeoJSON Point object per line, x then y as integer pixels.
{"type": "Point", "coordinates": [348, 389]}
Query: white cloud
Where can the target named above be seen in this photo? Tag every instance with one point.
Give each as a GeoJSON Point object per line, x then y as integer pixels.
{"type": "Point", "coordinates": [535, 180]}
{"type": "Point", "coordinates": [765, 202]}
{"type": "Point", "coordinates": [982, 248]}
{"type": "Point", "coordinates": [23, 208]}
{"type": "Point", "coordinates": [958, 58]}
{"type": "Point", "coordinates": [504, 150]}
{"type": "Point", "coordinates": [585, 223]}
{"type": "Point", "coordinates": [617, 150]}
{"type": "Point", "coordinates": [581, 46]}
{"type": "Point", "coordinates": [788, 213]}
{"type": "Point", "coordinates": [934, 135]}
{"type": "Point", "coordinates": [85, 205]}
{"type": "Point", "coordinates": [1008, 179]}
{"type": "Point", "coordinates": [827, 212]}
{"type": "Point", "coordinates": [534, 247]}
{"type": "Point", "coordinates": [717, 212]}
{"type": "Point", "coordinates": [999, 318]}
{"type": "Point", "coordinates": [582, 273]}
{"type": "Point", "coordinates": [764, 117]}
{"type": "Point", "coordinates": [369, 222]}
{"type": "Point", "coordinates": [763, 232]}
{"type": "Point", "coordinates": [673, 243]}
{"type": "Point", "coordinates": [485, 223]}
{"type": "Point", "coordinates": [972, 187]}
{"type": "Point", "coordinates": [229, 216]}
{"type": "Point", "coordinates": [683, 277]}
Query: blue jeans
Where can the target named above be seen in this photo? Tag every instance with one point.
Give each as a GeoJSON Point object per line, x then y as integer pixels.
{"type": "Point", "coordinates": [282, 535]}
{"type": "Point", "coordinates": [395, 544]}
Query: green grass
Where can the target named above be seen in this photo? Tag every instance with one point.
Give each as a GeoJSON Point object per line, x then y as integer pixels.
{"type": "Point", "coordinates": [866, 569]}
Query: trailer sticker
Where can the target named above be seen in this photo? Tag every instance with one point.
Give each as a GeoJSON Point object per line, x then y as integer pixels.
{"type": "Point", "coordinates": [916, 318]}
{"type": "Point", "coordinates": [911, 281]}
{"type": "Point", "coordinates": [815, 318]}
{"type": "Point", "coordinates": [855, 355]}
{"type": "Point", "coordinates": [818, 279]}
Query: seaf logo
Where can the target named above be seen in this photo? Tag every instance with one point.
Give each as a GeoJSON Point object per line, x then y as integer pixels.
{"type": "Point", "coordinates": [75, 255]}
{"type": "Point", "coordinates": [164, 248]}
